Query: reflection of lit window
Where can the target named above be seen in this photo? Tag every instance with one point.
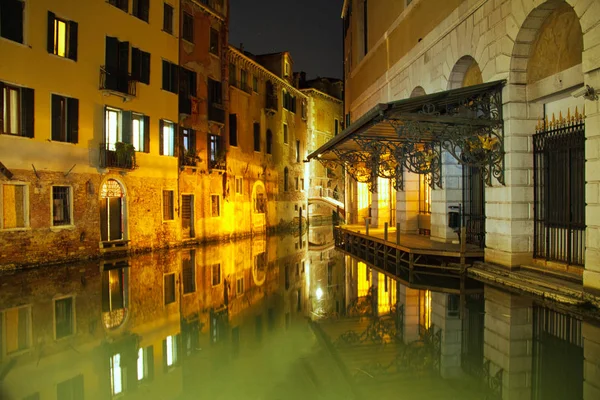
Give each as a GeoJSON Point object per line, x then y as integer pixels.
{"type": "Point", "coordinates": [363, 279]}
{"type": "Point", "coordinates": [216, 274]}
{"type": "Point", "coordinates": [171, 351]}
{"type": "Point", "coordinates": [116, 374]}
{"type": "Point", "coordinates": [17, 325]}
{"type": "Point", "coordinates": [424, 309]}
{"type": "Point", "coordinates": [64, 317]}
{"type": "Point", "coordinates": [386, 295]}
{"type": "Point", "coordinates": [145, 363]}
{"type": "Point", "coordinates": [141, 372]}
{"type": "Point", "coordinates": [240, 285]}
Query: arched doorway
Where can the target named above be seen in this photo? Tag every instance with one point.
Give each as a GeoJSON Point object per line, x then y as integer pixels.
{"type": "Point", "coordinates": [112, 211]}
{"type": "Point", "coordinates": [466, 72]}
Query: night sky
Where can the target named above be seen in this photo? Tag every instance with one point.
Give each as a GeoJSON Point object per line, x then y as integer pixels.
{"type": "Point", "coordinates": [311, 30]}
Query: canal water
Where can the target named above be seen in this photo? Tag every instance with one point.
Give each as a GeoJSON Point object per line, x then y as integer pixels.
{"type": "Point", "coordinates": [281, 317]}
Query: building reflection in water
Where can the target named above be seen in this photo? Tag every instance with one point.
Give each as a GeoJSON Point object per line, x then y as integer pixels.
{"type": "Point", "coordinates": [231, 320]}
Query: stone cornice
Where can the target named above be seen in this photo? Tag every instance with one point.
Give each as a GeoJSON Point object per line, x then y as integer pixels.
{"type": "Point", "coordinates": [309, 91]}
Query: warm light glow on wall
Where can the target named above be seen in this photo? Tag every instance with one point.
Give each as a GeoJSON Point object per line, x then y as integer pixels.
{"type": "Point", "coordinates": [363, 279]}
{"type": "Point", "coordinates": [425, 308]}
{"type": "Point", "coordinates": [424, 194]}
{"type": "Point", "coordinates": [383, 199]}
{"type": "Point", "coordinates": [386, 294]}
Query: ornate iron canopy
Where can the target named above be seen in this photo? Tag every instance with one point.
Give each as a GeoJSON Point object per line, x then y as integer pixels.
{"type": "Point", "coordinates": [413, 134]}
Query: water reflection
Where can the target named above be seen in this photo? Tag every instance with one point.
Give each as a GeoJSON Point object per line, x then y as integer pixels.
{"type": "Point", "coordinates": [232, 321]}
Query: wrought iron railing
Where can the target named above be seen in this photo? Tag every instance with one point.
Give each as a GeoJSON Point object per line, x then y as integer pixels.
{"type": "Point", "coordinates": [216, 113]}
{"type": "Point", "coordinates": [117, 156]}
{"type": "Point", "coordinates": [218, 164]}
{"type": "Point", "coordinates": [116, 80]}
{"type": "Point", "coordinates": [559, 190]}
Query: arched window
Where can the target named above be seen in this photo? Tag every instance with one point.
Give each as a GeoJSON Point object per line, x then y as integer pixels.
{"type": "Point", "coordinates": [286, 175]}
{"type": "Point", "coordinates": [269, 142]}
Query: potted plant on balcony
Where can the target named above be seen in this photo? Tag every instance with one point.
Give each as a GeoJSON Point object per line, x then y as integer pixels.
{"type": "Point", "coordinates": [125, 155]}
{"type": "Point", "coordinates": [190, 157]}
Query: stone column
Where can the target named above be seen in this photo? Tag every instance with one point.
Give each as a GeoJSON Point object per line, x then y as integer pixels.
{"type": "Point", "coordinates": [375, 285]}
{"type": "Point", "coordinates": [451, 336]}
{"type": "Point", "coordinates": [508, 340]}
{"type": "Point", "coordinates": [374, 210]}
{"type": "Point", "coordinates": [407, 204]}
{"type": "Point", "coordinates": [410, 299]}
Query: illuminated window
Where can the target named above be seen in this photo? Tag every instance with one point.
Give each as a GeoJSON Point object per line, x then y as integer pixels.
{"type": "Point", "coordinates": [14, 206]}
{"type": "Point", "coordinates": [62, 37]}
{"type": "Point", "coordinates": [216, 274]}
{"type": "Point", "coordinates": [215, 205]}
{"type": "Point", "coordinates": [112, 126]}
{"type": "Point", "coordinates": [170, 347]}
{"type": "Point", "coordinates": [65, 119]}
{"type": "Point", "coordinates": [188, 27]}
{"type": "Point", "coordinates": [16, 323]}
{"type": "Point", "coordinates": [140, 131]}
{"type": "Point", "coordinates": [386, 294]}
{"type": "Point", "coordinates": [17, 110]}
{"type": "Point", "coordinates": [169, 288]}
{"type": "Point", "coordinates": [424, 194]}
{"type": "Point", "coordinates": [12, 11]}
{"type": "Point", "coordinates": [168, 18]}
{"type": "Point", "coordinates": [62, 208]}
{"type": "Point", "coordinates": [167, 138]}
{"type": "Point", "coordinates": [286, 68]}
{"type": "Point", "coordinates": [168, 206]}
{"type": "Point", "coordinates": [116, 375]}
{"type": "Point", "coordinates": [285, 133]}
{"type": "Point", "coordinates": [64, 317]}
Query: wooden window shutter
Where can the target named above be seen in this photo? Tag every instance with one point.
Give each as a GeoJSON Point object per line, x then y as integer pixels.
{"type": "Point", "coordinates": [145, 10]}
{"type": "Point", "coordinates": [146, 134]}
{"type": "Point", "coordinates": [112, 52]}
{"type": "Point", "coordinates": [124, 56]}
{"type": "Point", "coordinates": [73, 31]}
{"type": "Point", "coordinates": [161, 125]}
{"type": "Point", "coordinates": [174, 78]}
{"type": "Point", "coordinates": [176, 140]}
{"type": "Point", "coordinates": [233, 130]}
{"type": "Point", "coordinates": [193, 139]}
{"type": "Point", "coordinates": [136, 66]}
{"type": "Point", "coordinates": [164, 348]}
{"type": "Point", "coordinates": [27, 112]}
{"type": "Point", "coordinates": [146, 67]}
{"type": "Point", "coordinates": [73, 120]}
{"type": "Point", "coordinates": [56, 117]}
{"type": "Point", "coordinates": [50, 42]}
{"type": "Point", "coordinates": [126, 127]}
{"type": "Point", "coordinates": [165, 74]}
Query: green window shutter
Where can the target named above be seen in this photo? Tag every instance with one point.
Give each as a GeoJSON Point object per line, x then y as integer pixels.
{"type": "Point", "coordinates": [73, 32]}
{"type": "Point", "coordinates": [56, 117]}
{"type": "Point", "coordinates": [27, 112]}
{"type": "Point", "coordinates": [73, 120]}
{"type": "Point", "coordinates": [126, 127]}
{"type": "Point", "coordinates": [146, 134]}
{"type": "Point", "coordinates": [161, 125]}
{"type": "Point", "coordinates": [50, 39]}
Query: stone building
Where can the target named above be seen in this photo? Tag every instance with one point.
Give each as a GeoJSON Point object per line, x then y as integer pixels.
{"type": "Point", "coordinates": [87, 146]}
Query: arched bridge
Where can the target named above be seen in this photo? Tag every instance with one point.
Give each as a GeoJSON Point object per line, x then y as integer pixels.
{"type": "Point", "coordinates": [326, 197]}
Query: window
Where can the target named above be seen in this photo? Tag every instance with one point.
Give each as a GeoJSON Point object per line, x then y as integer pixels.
{"type": "Point", "coordinates": [304, 110]}
{"type": "Point", "coordinates": [70, 389]}
{"type": "Point", "coordinates": [188, 27]}
{"type": "Point", "coordinates": [216, 156]}
{"type": "Point", "coordinates": [168, 209]}
{"type": "Point", "coordinates": [255, 83]}
{"type": "Point", "coordinates": [65, 119]}
{"type": "Point", "coordinates": [187, 90]}
{"type": "Point", "coordinates": [285, 133]}
{"type": "Point", "coordinates": [15, 206]}
{"type": "Point", "coordinates": [121, 4]}
{"type": "Point", "coordinates": [11, 20]}
{"type": "Point", "coordinates": [232, 75]}
{"type": "Point", "coordinates": [215, 205]}
{"type": "Point", "coordinates": [188, 273]}
{"type": "Point", "coordinates": [17, 329]}
{"type": "Point", "coordinates": [140, 65]}
{"type": "Point", "coordinates": [269, 142]}
{"type": "Point", "coordinates": [289, 101]}
{"type": "Point", "coordinates": [286, 177]}
{"type": "Point", "coordinates": [167, 138]}
{"type": "Point", "coordinates": [61, 206]}
{"type": "Point", "coordinates": [171, 351]}
{"type": "Point", "coordinates": [244, 80]}
{"type": "Point", "coordinates": [216, 274]}
{"type": "Point", "coordinates": [169, 288]}
{"type": "Point", "coordinates": [141, 9]}
{"type": "Point", "coordinates": [215, 93]}
{"type": "Point", "coordinates": [140, 132]}
{"type": "Point", "coordinates": [115, 73]}
{"type": "Point", "coordinates": [117, 372]}
{"type": "Point", "coordinates": [17, 110]}
{"type": "Point", "coordinates": [64, 317]}
{"type": "Point", "coordinates": [297, 151]}
{"type": "Point", "coordinates": [240, 285]}
{"type": "Point", "coordinates": [336, 127]}
{"type": "Point", "coordinates": [62, 37]}
{"type": "Point", "coordinates": [188, 143]}
{"type": "Point", "coordinates": [170, 77]}
{"type": "Point", "coordinates": [302, 184]}
{"type": "Point", "coordinates": [256, 136]}
{"type": "Point", "coordinates": [286, 68]}
{"type": "Point", "coordinates": [239, 188]}
{"type": "Point", "coordinates": [145, 363]}
{"type": "Point", "coordinates": [233, 130]}
{"type": "Point", "coordinates": [113, 127]}
{"type": "Point", "coordinates": [214, 41]}
{"type": "Point", "coordinates": [168, 18]}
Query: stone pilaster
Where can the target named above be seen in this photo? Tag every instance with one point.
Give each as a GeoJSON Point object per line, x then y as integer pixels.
{"type": "Point", "coordinates": [407, 204]}
{"type": "Point", "coordinates": [451, 336]}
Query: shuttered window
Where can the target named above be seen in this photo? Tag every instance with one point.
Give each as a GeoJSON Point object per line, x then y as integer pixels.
{"type": "Point", "coordinates": [16, 110]}
{"type": "Point", "coordinates": [62, 37]}
{"type": "Point", "coordinates": [168, 18]}
{"type": "Point", "coordinates": [168, 211]}
{"type": "Point", "coordinates": [214, 41]}
{"type": "Point", "coordinates": [140, 65]}
{"type": "Point", "coordinates": [170, 77]}
{"type": "Point", "coordinates": [256, 136]}
{"type": "Point", "coordinates": [188, 27]}
{"type": "Point", "coordinates": [141, 9]}
{"type": "Point", "coordinates": [233, 139]}
{"type": "Point", "coordinates": [65, 119]}
{"type": "Point", "coordinates": [121, 4]}
{"type": "Point", "coordinates": [11, 20]}
{"type": "Point", "coordinates": [189, 272]}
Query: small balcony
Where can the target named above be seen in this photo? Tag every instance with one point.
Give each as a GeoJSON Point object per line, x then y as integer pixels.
{"type": "Point", "coordinates": [117, 82]}
{"type": "Point", "coordinates": [118, 155]}
{"type": "Point", "coordinates": [271, 104]}
{"type": "Point", "coordinates": [188, 158]}
{"type": "Point", "coordinates": [216, 113]}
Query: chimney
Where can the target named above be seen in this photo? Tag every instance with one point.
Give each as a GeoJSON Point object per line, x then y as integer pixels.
{"type": "Point", "coordinates": [242, 47]}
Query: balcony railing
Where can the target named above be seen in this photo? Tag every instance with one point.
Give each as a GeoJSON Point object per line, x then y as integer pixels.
{"type": "Point", "coordinates": [218, 164]}
{"type": "Point", "coordinates": [117, 155]}
{"type": "Point", "coordinates": [271, 103]}
{"type": "Point", "coordinates": [216, 113]}
{"type": "Point", "coordinates": [118, 81]}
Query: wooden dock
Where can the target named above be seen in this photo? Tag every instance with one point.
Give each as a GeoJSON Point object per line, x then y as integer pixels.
{"type": "Point", "coordinates": [415, 260]}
